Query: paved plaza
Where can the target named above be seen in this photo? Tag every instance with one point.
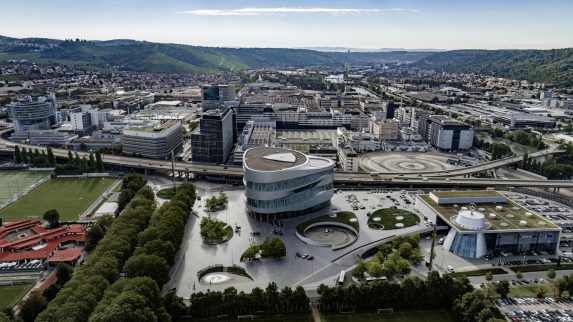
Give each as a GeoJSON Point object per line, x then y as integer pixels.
{"type": "Point", "coordinates": [288, 271]}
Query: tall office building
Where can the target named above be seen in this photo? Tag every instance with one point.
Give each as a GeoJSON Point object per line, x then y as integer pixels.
{"type": "Point", "coordinates": [34, 113]}
{"type": "Point", "coordinates": [213, 96]}
{"type": "Point", "coordinates": [445, 133]}
{"type": "Point", "coordinates": [214, 142]}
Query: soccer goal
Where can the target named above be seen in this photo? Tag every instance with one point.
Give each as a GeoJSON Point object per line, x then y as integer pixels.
{"type": "Point", "coordinates": [246, 317]}
{"type": "Point", "coordinates": [386, 311]}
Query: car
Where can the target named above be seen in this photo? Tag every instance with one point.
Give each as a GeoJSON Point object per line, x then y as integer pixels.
{"type": "Point", "coordinates": [310, 257]}
{"type": "Point", "coordinates": [298, 254]}
{"type": "Point", "coordinates": [305, 256]}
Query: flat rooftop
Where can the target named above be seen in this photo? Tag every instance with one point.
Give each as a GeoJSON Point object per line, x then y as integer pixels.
{"type": "Point", "coordinates": [272, 159]}
{"type": "Point", "coordinates": [508, 217]}
{"type": "Point", "coordinates": [466, 194]}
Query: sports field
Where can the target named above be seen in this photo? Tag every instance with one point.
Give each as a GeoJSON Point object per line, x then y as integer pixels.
{"type": "Point", "coordinates": [16, 182]}
{"type": "Point", "coordinates": [411, 316]}
{"type": "Point", "coordinates": [9, 293]}
{"type": "Point", "coordinates": [70, 196]}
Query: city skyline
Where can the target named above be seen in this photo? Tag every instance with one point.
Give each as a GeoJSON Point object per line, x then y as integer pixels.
{"type": "Point", "coordinates": [365, 24]}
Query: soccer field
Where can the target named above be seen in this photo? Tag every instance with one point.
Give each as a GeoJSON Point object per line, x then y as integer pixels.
{"type": "Point", "coordinates": [9, 293]}
{"type": "Point", "coordinates": [411, 316]}
{"type": "Point", "coordinates": [16, 182]}
{"type": "Point", "coordinates": [70, 196]}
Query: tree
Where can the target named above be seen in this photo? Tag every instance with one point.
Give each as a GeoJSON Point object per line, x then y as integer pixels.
{"type": "Point", "coordinates": [34, 304]}
{"type": "Point", "coordinates": [502, 288]}
{"type": "Point", "coordinates": [405, 250]}
{"type": "Point", "coordinates": [250, 253]}
{"type": "Point", "coordinates": [551, 273]}
{"type": "Point", "coordinates": [273, 248]}
{"type": "Point", "coordinates": [360, 269]}
{"type": "Point", "coordinates": [541, 290]}
{"type": "Point", "coordinates": [70, 158]}
{"type": "Point", "coordinates": [24, 156]}
{"type": "Point", "coordinates": [519, 275]}
{"type": "Point", "coordinates": [17, 154]}
{"type": "Point", "coordinates": [375, 268]}
{"type": "Point", "coordinates": [147, 265]}
{"type": "Point", "coordinates": [91, 163]}
{"type": "Point", "coordinates": [63, 273]}
{"type": "Point", "coordinates": [52, 216]}
{"type": "Point", "coordinates": [174, 305]}
{"type": "Point", "coordinates": [99, 162]}
{"type": "Point", "coordinates": [51, 158]}
{"type": "Point", "coordinates": [489, 276]}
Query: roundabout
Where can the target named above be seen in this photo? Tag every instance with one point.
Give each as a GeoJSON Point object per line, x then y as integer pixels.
{"type": "Point", "coordinates": [404, 162]}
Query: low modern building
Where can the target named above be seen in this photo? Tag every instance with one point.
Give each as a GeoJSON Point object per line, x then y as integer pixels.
{"type": "Point", "coordinates": [483, 222]}
{"type": "Point", "coordinates": [445, 133]}
{"type": "Point", "coordinates": [154, 142]}
{"type": "Point", "coordinates": [282, 183]}
{"type": "Point", "coordinates": [44, 138]}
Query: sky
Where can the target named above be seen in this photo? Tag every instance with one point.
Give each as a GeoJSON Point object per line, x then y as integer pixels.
{"type": "Point", "coordinates": [368, 24]}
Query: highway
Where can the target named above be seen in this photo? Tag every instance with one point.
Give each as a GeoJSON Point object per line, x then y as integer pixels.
{"type": "Point", "coordinates": [341, 178]}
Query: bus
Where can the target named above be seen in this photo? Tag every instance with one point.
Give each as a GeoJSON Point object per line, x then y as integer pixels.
{"type": "Point", "coordinates": [341, 277]}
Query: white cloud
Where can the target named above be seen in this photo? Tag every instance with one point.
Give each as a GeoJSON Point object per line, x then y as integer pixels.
{"type": "Point", "coordinates": [287, 10]}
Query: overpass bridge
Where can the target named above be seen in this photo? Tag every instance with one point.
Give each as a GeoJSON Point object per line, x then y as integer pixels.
{"type": "Point", "coordinates": [430, 179]}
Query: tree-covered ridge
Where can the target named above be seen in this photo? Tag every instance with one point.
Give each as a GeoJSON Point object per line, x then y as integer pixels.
{"type": "Point", "coordinates": [175, 58]}
{"type": "Point", "coordinates": [548, 66]}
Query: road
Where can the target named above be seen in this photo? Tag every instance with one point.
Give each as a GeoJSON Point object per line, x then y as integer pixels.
{"type": "Point", "coordinates": [426, 179]}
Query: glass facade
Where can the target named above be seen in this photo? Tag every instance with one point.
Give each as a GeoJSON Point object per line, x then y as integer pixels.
{"type": "Point", "coordinates": [288, 184]}
{"type": "Point", "coordinates": [289, 200]}
{"type": "Point", "coordinates": [464, 245]}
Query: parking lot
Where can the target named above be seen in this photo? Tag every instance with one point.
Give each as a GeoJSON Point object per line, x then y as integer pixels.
{"type": "Point", "coordinates": [533, 309]}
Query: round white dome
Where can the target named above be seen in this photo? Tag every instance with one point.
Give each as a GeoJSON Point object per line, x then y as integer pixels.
{"type": "Point", "coordinates": [471, 219]}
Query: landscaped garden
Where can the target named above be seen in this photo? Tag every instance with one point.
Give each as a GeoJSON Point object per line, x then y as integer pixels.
{"type": "Point", "coordinates": [166, 193]}
{"type": "Point", "coordinates": [215, 231]}
{"type": "Point", "coordinates": [390, 218]}
{"type": "Point", "coordinates": [272, 247]}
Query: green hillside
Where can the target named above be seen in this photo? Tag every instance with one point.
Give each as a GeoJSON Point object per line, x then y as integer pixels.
{"type": "Point", "coordinates": [173, 58]}
{"type": "Point", "coordinates": [548, 66]}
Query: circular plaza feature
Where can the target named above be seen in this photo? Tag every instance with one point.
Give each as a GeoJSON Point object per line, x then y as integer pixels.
{"type": "Point", "coordinates": [389, 218]}
{"type": "Point", "coordinates": [404, 162]}
{"type": "Point", "coordinates": [215, 278]}
{"type": "Point", "coordinates": [327, 231]}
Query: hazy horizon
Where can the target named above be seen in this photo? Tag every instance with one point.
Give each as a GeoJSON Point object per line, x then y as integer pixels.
{"type": "Point", "coordinates": [361, 24]}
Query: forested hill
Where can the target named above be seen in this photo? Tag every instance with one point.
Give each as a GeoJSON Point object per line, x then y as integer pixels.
{"type": "Point", "coordinates": [173, 58]}
{"type": "Point", "coordinates": [548, 66]}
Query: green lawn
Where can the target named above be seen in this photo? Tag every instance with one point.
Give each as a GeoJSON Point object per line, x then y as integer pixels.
{"type": "Point", "coordinates": [15, 182]}
{"type": "Point", "coordinates": [413, 316]}
{"type": "Point", "coordinates": [70, 196]}
{"type": "Point", "coordinates": [341, 217]}
{"type": "Point", "coordinates": [9, 293]}
{"type": "Point", "coordinates": [531, 291]}
{"type": "Point", "coordinates": [388, 218]}
{"type": "Point", "coordinates": [166, 193]}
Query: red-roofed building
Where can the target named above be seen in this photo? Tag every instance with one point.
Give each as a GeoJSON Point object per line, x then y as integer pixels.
{"type": "Point", "coordinates": [69, 256]}
{"type": "Point", "coordinates": [36, 243]}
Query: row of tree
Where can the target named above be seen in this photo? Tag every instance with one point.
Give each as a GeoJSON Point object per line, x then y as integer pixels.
{"type": "Point", "coordinates": [527, 137]}
{"type": "Point", "coordinates": [78, 165]}
{"type": "Point", "coordinates": [130, 185]}
{"type": "Point", "coordinates": [435, 292]}
{"type": "Point", "coordinates": [35, 158]}
{"type": "Point", "coordinates": [79, 296]}
{"type": "Point", "coordinates": [549, 168]}
{"type": "Point", "coordinates": [230, 302]}
{"type": "Point", "coordinates": [148, 269]}
{"type": "Point", "coordinates": [498, 150]}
